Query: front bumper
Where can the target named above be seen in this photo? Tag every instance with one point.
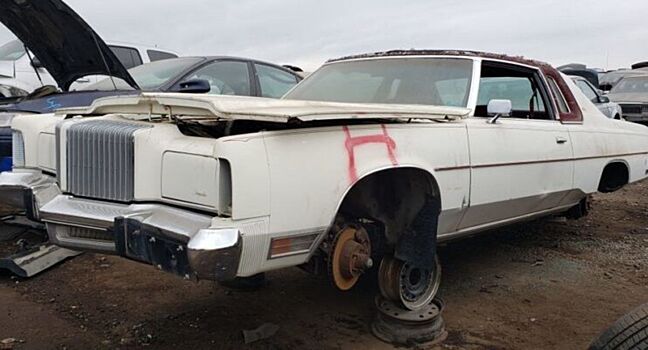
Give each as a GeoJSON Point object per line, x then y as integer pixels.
{"type": "Point", "coordinates": [27, 191]}
{"type": "Point", "coordinates": [174, 240]}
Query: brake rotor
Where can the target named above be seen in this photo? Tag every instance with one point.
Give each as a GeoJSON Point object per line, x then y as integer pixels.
{"type": "Point", "coordinates": [350, 256]}
{"type": "Point", "coordinates": [408, 285]}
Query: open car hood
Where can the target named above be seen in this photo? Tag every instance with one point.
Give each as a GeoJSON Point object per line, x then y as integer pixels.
{"type": "Point", "coordinates": [257, 108]}
{"type": "Point", "coordinates": [63, 42]}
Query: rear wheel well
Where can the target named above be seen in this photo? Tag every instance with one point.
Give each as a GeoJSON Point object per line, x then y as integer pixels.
{"type": "Point", "coordinates": [392, 197]}
{"type": "Point", "coordinates": [615, 175]}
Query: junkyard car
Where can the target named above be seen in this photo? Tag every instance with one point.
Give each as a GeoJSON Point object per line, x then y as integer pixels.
{"type": "Point", "coordinates": [610, 79]}
{"type": "Point", "coordinates": [602, 102]}
{"type": "Point", "coordinates": [364, 165]}
{"type": "Point", "coordinates": [631, 94]}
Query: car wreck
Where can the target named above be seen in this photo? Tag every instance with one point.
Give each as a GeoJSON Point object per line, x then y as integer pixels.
{"type": "Point", "coordinates": [366, 165]}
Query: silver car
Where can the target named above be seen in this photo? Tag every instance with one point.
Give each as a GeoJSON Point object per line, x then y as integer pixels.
{"type": "Point", "coordinates": [610, 109]}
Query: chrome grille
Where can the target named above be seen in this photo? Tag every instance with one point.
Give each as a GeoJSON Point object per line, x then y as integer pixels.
{"type": "Point", "coordinates": [100, 159]}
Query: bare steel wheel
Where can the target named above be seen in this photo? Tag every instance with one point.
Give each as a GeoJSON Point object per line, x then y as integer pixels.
{"type": "Point", "coordinates": [411, 286]}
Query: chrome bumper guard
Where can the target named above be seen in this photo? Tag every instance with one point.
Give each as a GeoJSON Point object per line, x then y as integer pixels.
{"type": "Point", "coordinates": [174, 240]}
{"type": "Point", "coordinates": [27, 191]}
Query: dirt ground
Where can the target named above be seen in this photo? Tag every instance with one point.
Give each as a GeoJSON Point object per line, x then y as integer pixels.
{"type": "Point", "coordinates": [538, 285]}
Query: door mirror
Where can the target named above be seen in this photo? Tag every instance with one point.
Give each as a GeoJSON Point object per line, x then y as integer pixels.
{"type": "Point", "coordinates": [198, 86]}
{"type": "Point", "coordinates": [603, 99]}
{"type": "Point", "coordinates": [498, 108]}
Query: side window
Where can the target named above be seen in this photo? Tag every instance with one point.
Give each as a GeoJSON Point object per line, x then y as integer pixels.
{"type": "Point", "coordinates": [155, 55]}
{"type": "Point", "coordinates": [128, 56]}
{"type": "Point", "coordinates": [274, 82]}
{"type": "Point", "coordinates": [225, 77]}
{"type": "Point", "coordinates": [518, 84]}
{"type": "Point", "coordinates": [587, 90]}
{"type": "Point", "coordinates": [560, 99]}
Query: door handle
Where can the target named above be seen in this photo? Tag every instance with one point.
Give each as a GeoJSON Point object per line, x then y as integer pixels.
{"type": "Point", "coordinates": [560, 140]}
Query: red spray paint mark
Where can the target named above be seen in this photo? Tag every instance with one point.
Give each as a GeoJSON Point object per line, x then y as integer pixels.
{"type": "Point", "coordinates": [352, 142]}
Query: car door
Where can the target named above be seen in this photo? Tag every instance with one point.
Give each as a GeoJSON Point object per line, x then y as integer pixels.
{"type": "Point", "coordinates": [225, 77]}
{"type": "Point", "coordinates": [521, 164]}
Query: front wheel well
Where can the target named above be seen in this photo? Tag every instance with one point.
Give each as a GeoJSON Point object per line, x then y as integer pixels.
{"type": "Point", "coordinates": [392, 197]}
{"type": "Point", "coordinates": [615, 175]}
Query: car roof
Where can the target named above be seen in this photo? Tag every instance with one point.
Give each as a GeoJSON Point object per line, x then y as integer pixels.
{"type": "Point", "coordinates": [458, 53]}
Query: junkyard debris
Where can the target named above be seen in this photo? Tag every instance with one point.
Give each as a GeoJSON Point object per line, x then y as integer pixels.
{"type": "Point", "coordinates": [264, 331]}
{"type": "Point", "coordinates": [7, 343]}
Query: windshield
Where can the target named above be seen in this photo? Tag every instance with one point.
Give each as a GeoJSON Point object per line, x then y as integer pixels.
{"type": "Point", "coordinates": [425, 81]}
{"type": "Point", "coordinates": [12, 51]}
{"type": "Point", "coordinates": [150, 76]}
{"type": "Point", "coordinates": [631, 85]}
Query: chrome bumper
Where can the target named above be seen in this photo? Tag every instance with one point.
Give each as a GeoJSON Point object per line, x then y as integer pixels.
{"type": "Point", "coordinates": [27, 191]}
{"type": "Point", "coordinates": [174, 240]}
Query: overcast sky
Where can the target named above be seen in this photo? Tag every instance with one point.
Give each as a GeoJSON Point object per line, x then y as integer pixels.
{"type": "Point", "coordinates": [606, 34]}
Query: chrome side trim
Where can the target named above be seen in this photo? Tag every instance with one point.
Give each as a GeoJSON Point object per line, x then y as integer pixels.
{"type": "Point", "coordinates": [470, 231]}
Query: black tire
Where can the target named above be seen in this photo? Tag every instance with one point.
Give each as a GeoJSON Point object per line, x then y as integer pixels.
{"type": "Point", "coordinates": [630, 332]}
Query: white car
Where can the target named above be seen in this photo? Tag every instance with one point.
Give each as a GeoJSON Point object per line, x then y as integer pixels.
{"type": "Point", "coordinates": [366, 164]}
{"type": "Point", "coordinates": [19, 77]}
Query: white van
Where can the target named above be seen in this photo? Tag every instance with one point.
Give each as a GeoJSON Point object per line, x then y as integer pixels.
{"type": "Point", "coordinates": [18, 75]}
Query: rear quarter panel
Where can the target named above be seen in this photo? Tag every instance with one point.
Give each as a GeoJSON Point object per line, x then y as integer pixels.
{"type": "Point", "coordinates": [600, 140]}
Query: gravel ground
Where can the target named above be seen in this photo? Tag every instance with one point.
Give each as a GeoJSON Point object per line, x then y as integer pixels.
{"type": "Point", "coordinates": [538, 285]}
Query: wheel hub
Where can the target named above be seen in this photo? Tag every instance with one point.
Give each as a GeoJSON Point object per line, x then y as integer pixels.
{"type": "Point", "coordinates": [350, 256]}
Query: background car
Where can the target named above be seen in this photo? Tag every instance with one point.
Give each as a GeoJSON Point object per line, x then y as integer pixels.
{"type": "Point", "coordinates": [602, 102]}
{"type": "Point", "coordinates": [610, 79]}
{"type": "Point", "coordinates": [222, 75]}
{"type": "Point", "coordinates": [631, 93]}
{"type": "Point", "coordinates": [19, 76]}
